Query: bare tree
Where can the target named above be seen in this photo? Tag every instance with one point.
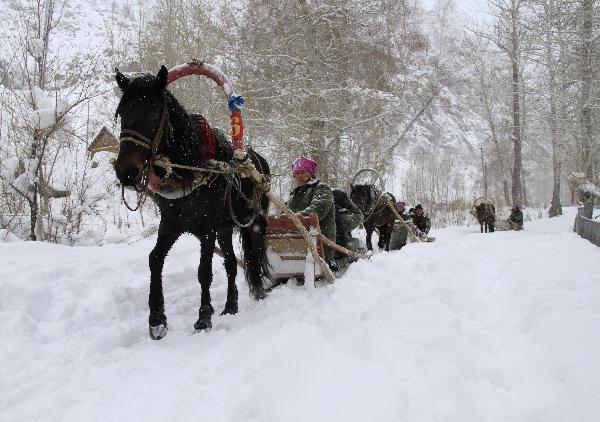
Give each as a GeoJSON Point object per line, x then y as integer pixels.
{"type": "Point", "coordinates": [508, 37]}
{"type": "Point", "coordinates": [40, 110]}
{"type": "Point", "coordinates": [586, 14]}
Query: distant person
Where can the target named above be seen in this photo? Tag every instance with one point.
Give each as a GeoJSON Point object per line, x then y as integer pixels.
{"type": "Point", "coordinates": [347, 217]}
{"type": "Point", "coordinates": [420, 220]}
{"type": "Point", "coordinates": [399, 231]}
{"type": "Point", "coordinates": [313, 196]}
{"type": "Point", "coordinates": [516, 218]}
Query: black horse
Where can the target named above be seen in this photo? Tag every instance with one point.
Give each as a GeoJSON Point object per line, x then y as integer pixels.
{"type": "Point", "coordinates": [376, 212]}
{"type": "Point", "coordinates": [485, 213]}
{"type": "Point", "coordinates": [153, 124]}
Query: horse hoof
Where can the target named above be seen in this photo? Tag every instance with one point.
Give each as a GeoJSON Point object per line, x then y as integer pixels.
{"type": "Point", "coordinates": [158, 331]}
{"type": "Point", "coordinates": [202, 325]}
{"type": "Point", "coordinates": [230, 309]}
{"type": "Point", "coordinates": [259, 294]}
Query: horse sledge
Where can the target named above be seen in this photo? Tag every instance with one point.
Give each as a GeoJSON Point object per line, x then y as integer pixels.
{"type": "Point", "coordinates": [287, 250]}
{"type": "Point", "coordinates": [289, 254]}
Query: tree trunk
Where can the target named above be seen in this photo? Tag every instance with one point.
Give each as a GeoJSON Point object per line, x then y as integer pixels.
{"type": "Point", "coordinates": [506, 192]}
{"type": "Point", "coordinates": [555, 206]}
{"type": "Point", "coordinates": [517, 186]}
{"type": "Point", "coordinates": [524, 199]}
{"type": "Point", "coordinates": [587, 11]}
{"type": "Point", "coordinates": [484, 173]}
{"type": "Point", "coordinates": [33, 208]}
{"type": "Point", "coordinates": [588, 205]}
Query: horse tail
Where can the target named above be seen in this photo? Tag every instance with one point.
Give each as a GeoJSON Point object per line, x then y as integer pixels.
{"type": "Point", "coordinates": [253, 237]}
{"type": "Point", "coordinates": [255, 256]}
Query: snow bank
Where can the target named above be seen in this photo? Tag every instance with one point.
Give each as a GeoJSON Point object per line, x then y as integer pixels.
{"type": "Point", "coordinates": [473, 327]}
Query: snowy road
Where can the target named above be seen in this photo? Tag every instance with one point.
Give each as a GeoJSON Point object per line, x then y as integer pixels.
{"type": "Point", "coordinates": [497, 327]}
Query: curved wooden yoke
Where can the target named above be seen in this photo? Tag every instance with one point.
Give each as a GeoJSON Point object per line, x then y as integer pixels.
{"type": "Point", "coordinates": [479, 201]}
{"type": "Point", "coordinates": [235, 101]}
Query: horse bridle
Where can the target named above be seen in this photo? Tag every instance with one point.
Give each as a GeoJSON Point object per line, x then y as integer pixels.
{"type": "Point", "coordinates": [129, 135]}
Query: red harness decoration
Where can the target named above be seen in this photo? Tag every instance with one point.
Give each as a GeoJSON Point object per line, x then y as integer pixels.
{"type": "Point", "coordinates": [237, 130]}
{"type": "Point", "coordinates": [210, 142]}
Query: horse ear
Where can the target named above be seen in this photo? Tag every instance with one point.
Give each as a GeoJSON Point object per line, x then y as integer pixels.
{"type": "Point", "coordinates": [122, 80]}
{"type": "Point", "coordinates": [161, 78]}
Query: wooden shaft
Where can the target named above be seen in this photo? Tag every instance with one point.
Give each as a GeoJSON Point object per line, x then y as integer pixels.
{"type": "Point", "coordinates": [341, 249]}
{"type": "Point", "coordinates": [388, 202]}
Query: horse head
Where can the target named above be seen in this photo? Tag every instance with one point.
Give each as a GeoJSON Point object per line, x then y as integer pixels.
{"type": "Point", "coordinates": [364, 196]}
{"type": "Point", "coordinates": [144, 123]}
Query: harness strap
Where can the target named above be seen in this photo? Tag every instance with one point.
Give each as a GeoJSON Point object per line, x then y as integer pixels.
{"type": "Point", "coordinates": [135, 141]}
{"type": "Point", "coordinates": [164, 117]}
{"type": "Point", "coordinates": [129, 135]}
{"type": "Point", "coordinates": [135, 135]}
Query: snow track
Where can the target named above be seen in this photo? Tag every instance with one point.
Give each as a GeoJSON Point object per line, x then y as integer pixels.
{"type": "Point", "coordinates": [473, 327]}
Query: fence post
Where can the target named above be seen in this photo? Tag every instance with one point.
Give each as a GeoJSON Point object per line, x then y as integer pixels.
{"type": "Point", "coordinates": [587, 228]}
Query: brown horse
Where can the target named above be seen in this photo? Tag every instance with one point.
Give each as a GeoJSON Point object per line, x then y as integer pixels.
{"type": "Point", "coordinates": [376, 212]}
{"type": "Point", "coordinates": [485, 213]}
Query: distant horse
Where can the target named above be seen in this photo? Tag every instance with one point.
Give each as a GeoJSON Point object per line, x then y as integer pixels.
{"type": "Point", "coordinates": [485, 213]}
{"type": "Point", "coordinates": [376, 212]}
{"type": "Point", "coordinates": [154, 124]}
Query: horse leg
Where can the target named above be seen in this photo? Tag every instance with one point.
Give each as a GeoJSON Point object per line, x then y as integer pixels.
{"type": "Point", "coordinates": [369, 230]}
{"type": "Point", "coordinates": [481, 227]}
{"type": "Point", "coordinates": [207, 249]}
{"type": "Point", "coordinates": [388, 236]}
{"type": "Point", "coordinates": [224, 236]}
{"type": "Point", "coordinates": [158, 320]}
{"type": "Point", "coordinates": [381, 240]}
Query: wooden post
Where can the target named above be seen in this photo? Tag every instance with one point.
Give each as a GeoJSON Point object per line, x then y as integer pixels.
{"type": "Point", "coordinates": [341, 249]}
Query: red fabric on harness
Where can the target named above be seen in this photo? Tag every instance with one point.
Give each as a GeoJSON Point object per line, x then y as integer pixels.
{"type": "Point", "coordinates": [210, 146]}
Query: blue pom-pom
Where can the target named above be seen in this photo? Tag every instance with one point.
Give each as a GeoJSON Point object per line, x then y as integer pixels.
{"type": "Point", "coordinates": [235, 103]}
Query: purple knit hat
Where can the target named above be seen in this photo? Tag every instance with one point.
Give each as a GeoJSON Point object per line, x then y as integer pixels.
{"type": "Point", "coordinates": [400, 205]}
{"type": "Point", "coordinates": [304, 164]}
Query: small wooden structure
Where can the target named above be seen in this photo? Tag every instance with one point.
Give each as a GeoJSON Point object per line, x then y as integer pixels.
{"type": "Point", "coordinates": [287, 250]}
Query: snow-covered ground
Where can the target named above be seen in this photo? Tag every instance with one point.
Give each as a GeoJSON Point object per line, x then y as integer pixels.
{"type": "Point", "coordinates": [496, 327]}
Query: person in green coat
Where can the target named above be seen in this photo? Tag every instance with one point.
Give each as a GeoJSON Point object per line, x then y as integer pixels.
{"type": "Point", "coordinates": [313, 196]}
{"type": "Point", "coordinates": [516, 218]}
{"type": "Point", "coordinates": [347, 217]}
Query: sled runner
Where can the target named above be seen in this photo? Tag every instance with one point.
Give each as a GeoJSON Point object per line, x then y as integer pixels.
{"type": "Point", "coordinates": [504, 225]}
